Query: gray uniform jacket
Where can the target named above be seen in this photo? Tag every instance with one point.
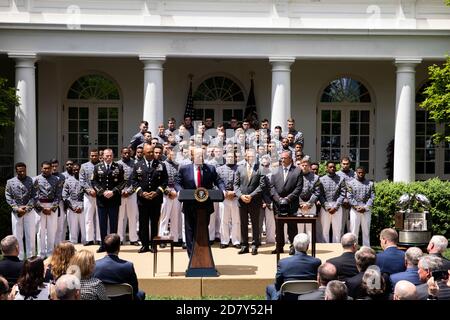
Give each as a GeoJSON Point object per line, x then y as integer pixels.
{"type": "Point", "coordinates": [20, 193]}
{"type": "Point", "coordinates": [361, 193]}
{"type": "Point", "coordinates": [48, 190]}
{"type": "Point", "coordinates": [333, 191]}
{"type": "Point", "coordinates": [311, 189]}
{"type": "Point", "coordinates": [86, 174]}
{"type": "Point", "coordinates": [73, 193]}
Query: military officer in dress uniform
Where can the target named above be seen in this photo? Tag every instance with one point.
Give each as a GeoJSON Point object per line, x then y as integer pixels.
{"type": "Point", "coordinates": [89, 202]}
{"type": "Point", "coordinates": [128, 208]}
{"type": "Point", "coordinates": [61, 226]}
{"type": "Point", "coordinates": [361, 194]}
{"type": "Point", "coordinates": [48, 195]}
{"type": "Point", "coordinates": [309, 195]}
{"type": "Point", "coordinates": [73, 199]}
{"type": "Point", "coordinates": [108, 181]}
{"type": "Point", "coordinates": [150, 180]}
{"type": "Point", "coordinates": [20, 195]}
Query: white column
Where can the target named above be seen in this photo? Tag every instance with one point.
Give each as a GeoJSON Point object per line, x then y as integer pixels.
{"type": "Point", "coordinates": [281, 91]}
{"type": "Point", "coordinates": [153, 91]}
{"type": "Point", "coordinates": [25, 124]}
{"type": "Point", "coordinates": [405, 121]}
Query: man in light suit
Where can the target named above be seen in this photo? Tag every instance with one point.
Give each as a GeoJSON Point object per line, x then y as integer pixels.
{"type": "Point", "coordinates": [298, 267]}
{"type": "Point", "coordinates": [192, 176]}
{"type": "Point", "coordinates": [112, 269]}
{"type": "Point", "coordinates": [326, 273]}
{"type": "Point", "coordinates": [285, 186]}
{"type": "Point", "coordinates": [392, 259]}
{"type": "Point", "coordinates": [249, 184]}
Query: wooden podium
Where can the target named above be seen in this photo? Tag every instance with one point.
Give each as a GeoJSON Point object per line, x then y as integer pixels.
{"type": "Point", "coordinates": [201, 262]}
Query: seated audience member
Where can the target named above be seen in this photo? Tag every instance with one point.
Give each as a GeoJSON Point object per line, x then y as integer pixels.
{"type": "Point", "coordinates": [364, 257]}
{"type": "Point", "coordinates": [300, 266]}
{"type": "Point", "coordinates": [345, 264]}
{"type": "Point", "coordinates": [392, 259]}
{"type": "Point", "coordinates": [436, 247]}
{"type": "Point", "coordinates": [405, 290]}
{"type": "Point", "coordinates": [373, 285]}
{"type": "Point", "coordinates": [31, 285]}
{"type": "Point", "coordinates": [112, 269]}
{"type": "Point", "coordinates": [326, 273]}
{"type": "Point", "coordinates": [10, 266]}
{"type": "Point", "coordinates": [91, 287]}
{"type": "Point", "coordinates": [336, 290]}
{"type": "Point", "coordinates": [68, 287]}
{"type": "Point", "coordinates": [427, 265]}
{"type": "Point", "coordinates": [59, 261]}
{"type": "Point", "coordinates": [439, 290]}
{"type": "Point", "coordinates": [412, 256]}
{"type": "Point", "coordinates": [4, 289]}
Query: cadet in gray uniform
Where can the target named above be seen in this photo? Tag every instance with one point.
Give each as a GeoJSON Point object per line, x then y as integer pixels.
{"type": "Point", "coordinates": [128, 207]}
{"type": "Point", "coordinates": [89, 202]}
{"type": "Point", "coordinates": [171, 207]}
{"type": "Point", "coordinates": [73, 198]}
{"type": "Point", "coordinates": [347, 174]}
{"type": "Point", "coordinates": [331, 198]}
{"type": "Point", "coordinates": [361, 194]}
{"type": "Point", "coordinates": [68, 172]}
{"type": "Point", "coordinates": [229, 209]}
{"type": "Point", "coordinates": [61, 225]}
{"type": "Point", "coordinates": [138, 138]}
{"type": "Point", "coordinates": [20, 195]}
{"type": "Point", "coordinates": [48, 195]}
{"type": "Point", "coordinates": [309, 195]}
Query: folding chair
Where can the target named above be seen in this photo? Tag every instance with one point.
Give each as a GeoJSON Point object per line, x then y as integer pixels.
{"type": "Point", "coordinates": [290, 290]}
{"type": "Point", "coordinates": [119, 291]}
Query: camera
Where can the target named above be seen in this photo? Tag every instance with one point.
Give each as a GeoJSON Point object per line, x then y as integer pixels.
{"type": "Point", "coordinates": [440, 275]}
{"type": "Point", "coordinates": [283, 207]}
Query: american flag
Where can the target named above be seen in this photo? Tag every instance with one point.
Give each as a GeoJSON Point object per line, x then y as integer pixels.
{"type": "Point", "coordinates": [189, 109]}
{"type": "Point", "coordinates": [250, 109]}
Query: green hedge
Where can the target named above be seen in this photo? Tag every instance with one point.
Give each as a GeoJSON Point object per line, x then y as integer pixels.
{"type": "Point", "coordinates": [388, 193]}
{"type": "Point", "coordinates": [5, 215]}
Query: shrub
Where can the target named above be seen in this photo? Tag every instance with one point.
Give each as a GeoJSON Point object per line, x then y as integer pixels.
{"type": "Point", "coordinates": [388, 193]}
{"type": "Point", "coordinates": [5, 215]}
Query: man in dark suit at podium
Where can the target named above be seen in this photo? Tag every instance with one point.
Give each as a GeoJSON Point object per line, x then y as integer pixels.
{"type": "Point", "coordinates": [285, 187]}
{"type": "Point", "coordinates": [192, 176]}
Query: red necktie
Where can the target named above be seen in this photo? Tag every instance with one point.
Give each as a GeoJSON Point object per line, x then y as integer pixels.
{"type": "Point", "coordinates": [199, 176]}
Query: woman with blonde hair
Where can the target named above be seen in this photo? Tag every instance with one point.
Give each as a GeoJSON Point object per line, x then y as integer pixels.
{"type": "Point", "coordinates": [60, 260]}
{"type": "Point", "coordinates": [91, 288]}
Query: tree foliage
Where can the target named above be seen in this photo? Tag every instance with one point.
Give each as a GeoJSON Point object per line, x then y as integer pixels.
{"type": "Point", "coordinates": [8, 101]}
{"type": "Point", "coordinates": [437, 98]}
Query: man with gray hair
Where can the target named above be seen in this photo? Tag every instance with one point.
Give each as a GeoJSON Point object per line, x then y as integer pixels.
{"type": "Point", "coordinates": [336, 290]}
{"type": "Point", "coordinates": [298, 267]}
{"type": "Point", "coordinates": [405, 290]}
{"type": "Point", "coordinates": [68, 287]}
{"type": "Point", "coordinates": [345, 264]}
{"type": "Point", "coordinates": [426, 265]}
{"type": "Point", "coordinates": [437, 245]}
{"type": "Point", "coordinates": [325, 274]}
{"type": "Point", "coordinates": [412, 257]}
{"type": "Point", "coordinates": [10, 266]}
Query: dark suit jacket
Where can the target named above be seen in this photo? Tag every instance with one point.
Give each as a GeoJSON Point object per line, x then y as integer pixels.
{"type": "Point", "coordinates": [298, 267]}
{"type": "Point", "coordinates": [10, 269]}
{"type": "Point", "coordinates": [289, 189]}
{"type": "Point", "coordinates": [444, 291]}
{"type": "Point", "coordinates": [410, 274]}
{"type": "Point", "coordinates": [354, 286]}
{"type": "Point", "coordinates": [111, 179]}
{"type": "Point", "coordinates": [318, 294]}
{"type": "Point", "coordinates": [391, 260]}
{"type": "Point", "coordinates": [186, 180]}
{"type": "Point", "coordinates": [149, 178]}
{"type": "Point", "coordinates": [253, 187]}
{"type": "Point", "coordinates": [345, 265]}
{"type": "Point", "coordinates": [112, 269]}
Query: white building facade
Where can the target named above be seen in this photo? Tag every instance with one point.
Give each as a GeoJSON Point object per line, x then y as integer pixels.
{"type": "Point", "coordinates": [347, 71]}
